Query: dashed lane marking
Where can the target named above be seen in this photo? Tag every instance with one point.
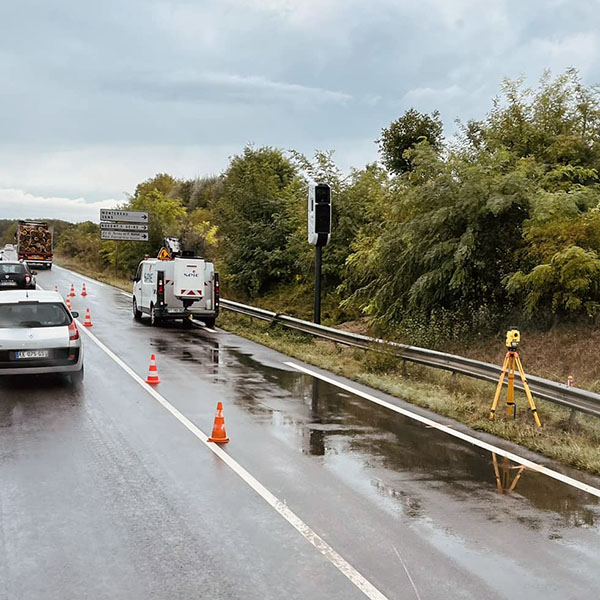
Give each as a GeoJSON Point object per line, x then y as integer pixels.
{"type": "Point", "coordinates": [365, 586]}
{"type": "Point", "coordinates": [457, 434]}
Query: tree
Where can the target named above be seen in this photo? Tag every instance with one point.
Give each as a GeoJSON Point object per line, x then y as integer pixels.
{"type": "Point", "coordinates": [402, 135]}
{"type": "Point", "coordinates": [252, 217]}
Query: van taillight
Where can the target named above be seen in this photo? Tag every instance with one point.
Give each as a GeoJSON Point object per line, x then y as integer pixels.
{"type": "Point", "coordinates": [27, 278]}
{"type": "Point", "coordinates": [73, 331]}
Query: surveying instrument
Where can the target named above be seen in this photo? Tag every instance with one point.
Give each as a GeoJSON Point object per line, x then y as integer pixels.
{"type": "Point", "coordinates": [512, 363]}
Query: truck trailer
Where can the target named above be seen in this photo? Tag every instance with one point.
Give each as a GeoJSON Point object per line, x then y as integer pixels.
{"type": "Point", "coordinates": [34, 243]}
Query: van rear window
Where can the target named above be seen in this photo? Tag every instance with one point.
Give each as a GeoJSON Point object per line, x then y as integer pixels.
{"type": "Point", "coordinates": [31, 315]}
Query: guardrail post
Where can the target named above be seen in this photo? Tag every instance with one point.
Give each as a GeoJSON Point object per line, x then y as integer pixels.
{"type": "Point", "coordinates": [404, 368]}
{"type": "Point", "coordinates": [452, 384]}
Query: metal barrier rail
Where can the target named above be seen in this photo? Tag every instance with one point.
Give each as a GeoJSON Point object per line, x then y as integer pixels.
{"type": "Point", "coordinates": [571, 397]}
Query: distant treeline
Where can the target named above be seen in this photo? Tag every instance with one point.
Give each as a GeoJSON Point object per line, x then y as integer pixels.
{"type": "Point", "coordinates": [444, 236]}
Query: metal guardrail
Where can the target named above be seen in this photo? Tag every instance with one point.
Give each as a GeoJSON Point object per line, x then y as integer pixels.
{"type": "Point", "coordinates": [571, 397]}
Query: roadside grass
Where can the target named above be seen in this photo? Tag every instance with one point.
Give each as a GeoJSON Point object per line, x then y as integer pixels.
{"type": "Point", "coordinates": [79, 266]}
{"type": "Point", "coordinates": [576, 443]}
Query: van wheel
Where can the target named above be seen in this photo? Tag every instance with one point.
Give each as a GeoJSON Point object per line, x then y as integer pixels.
{"type": "Point", "coordinates": [209, 322]}
{"type": "Point", "coordinates": [155, 321]}
{"type": "Point", "coordinates": [187, 324]}
{"type": "Point", "coordinates": [137, 313]}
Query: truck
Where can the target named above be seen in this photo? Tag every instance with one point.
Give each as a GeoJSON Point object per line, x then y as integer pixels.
{"type": "Point", "coordinates": [176, 286]}
{"type": "Point", "coordinates": [34, 243]}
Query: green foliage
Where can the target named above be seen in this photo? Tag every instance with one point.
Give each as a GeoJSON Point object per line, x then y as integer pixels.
{"type": "Point", "coordinates": [404, 133]}
{"type": "Point", "coordinates": [569, 283]}
{"type": "Point", "coordinates": [259, 187]}
{"type": "Point", "coordinates": [447, 239]}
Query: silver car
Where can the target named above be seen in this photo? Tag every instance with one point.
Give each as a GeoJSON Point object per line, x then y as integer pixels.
{"type": "Point", "coordinates": [38, 335]}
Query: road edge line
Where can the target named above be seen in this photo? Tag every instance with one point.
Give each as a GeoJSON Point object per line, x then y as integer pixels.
{"type": "Point", "coordinates": [453, 432]}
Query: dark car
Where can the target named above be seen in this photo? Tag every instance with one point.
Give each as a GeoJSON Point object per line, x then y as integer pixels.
{"type": "Point", "coordinates": [15, 276]}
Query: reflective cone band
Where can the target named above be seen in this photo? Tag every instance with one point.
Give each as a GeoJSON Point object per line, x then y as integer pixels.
{"type": "Point", "coordinates": [72, 292]}
{"type": "Point", "coordinates": [152, 378]}
{"type": "Point", "coordinates": [68, 303]}
{"type": "Point", "coordinates": [83, 290]}
{"type": "Point", "coordinates": [88, 318]}
{"type": "Point", "coordinates": [219, 435]}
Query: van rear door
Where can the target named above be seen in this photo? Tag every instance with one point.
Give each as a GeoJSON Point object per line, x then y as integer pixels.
{"type": "Point", "coordinates": [189, 279]}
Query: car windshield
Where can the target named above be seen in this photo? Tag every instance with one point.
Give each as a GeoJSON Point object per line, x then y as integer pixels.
{"type": "Point", "coordinates": [33, 314]}
{"type": "Point", "coordinates": [12, 268]}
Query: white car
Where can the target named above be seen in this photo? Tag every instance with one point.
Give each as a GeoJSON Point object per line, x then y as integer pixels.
{"type": "Point", "coordinates": [9, 252]}
{"type": "Point", "coordinates": [38, 334]}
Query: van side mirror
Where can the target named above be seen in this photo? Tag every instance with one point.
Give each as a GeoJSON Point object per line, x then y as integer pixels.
{"type": "Point", "coordinates": [133, 278]}
{"type": "Point", "coordinates": [74, 314]}
{"type": "Point", "coordinates": [34, 272]}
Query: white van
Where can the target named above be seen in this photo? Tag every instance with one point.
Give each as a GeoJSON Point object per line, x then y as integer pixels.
{"type": "Point", "coordinates": [182, 288]}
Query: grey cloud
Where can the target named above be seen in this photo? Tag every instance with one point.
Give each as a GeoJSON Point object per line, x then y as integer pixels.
{"type": "Point", "coordinates": [292, 73]}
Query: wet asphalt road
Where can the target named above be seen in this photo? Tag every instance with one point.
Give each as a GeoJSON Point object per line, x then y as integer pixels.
{"type": "Point", "coordinates": [104, 494]}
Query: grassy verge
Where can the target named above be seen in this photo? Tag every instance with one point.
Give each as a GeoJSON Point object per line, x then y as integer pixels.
{"type": "Point", "coordinates": [461, 398]}
{"type": "Point", "coordinates": [80, 266]}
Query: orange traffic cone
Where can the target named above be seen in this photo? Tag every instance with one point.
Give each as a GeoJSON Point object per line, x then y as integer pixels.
{"type": "Point", "coordinates": [152, 378]}
{"type": "Point", "coordinates": [219, 435]}
{"type": "Point", "coordinates": [68, 303]}
{"type": "Point", "coordinates": [88, 319]}
{"type": "Point", "coordinates": [72, 292]}
{"type": "Point", "coordinates": [83, 290]}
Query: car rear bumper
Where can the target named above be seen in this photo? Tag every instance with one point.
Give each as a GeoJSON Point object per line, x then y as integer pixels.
{"type": "Point", "coordinates": [35, 366]}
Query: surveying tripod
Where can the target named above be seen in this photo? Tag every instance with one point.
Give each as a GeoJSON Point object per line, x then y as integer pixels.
{"type": "Point", "coordinates": [512, 363]}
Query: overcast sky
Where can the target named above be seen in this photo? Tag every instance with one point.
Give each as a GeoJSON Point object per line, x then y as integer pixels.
{"type": "Point", "coordinates": [97, 96]}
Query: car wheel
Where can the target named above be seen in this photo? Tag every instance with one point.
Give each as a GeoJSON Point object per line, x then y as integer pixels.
{"type": "Point", "coordinates": [154, 319]}
{"type": "Point", "coordinates": [137, 313]}
{"type": "Point", "coordinates": [77, 377]}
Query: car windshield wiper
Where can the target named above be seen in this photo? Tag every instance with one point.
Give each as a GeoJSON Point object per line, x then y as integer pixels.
{"type": "Point", "coordinates": [31, 324]}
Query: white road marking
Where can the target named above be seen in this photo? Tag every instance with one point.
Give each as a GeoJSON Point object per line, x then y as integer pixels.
{"type": "Point", "coordinates": [321, 545]}
{"type": "Point", "coordinates": [458, 434]}
{"type": "Point", "coordinates": [407, 573]}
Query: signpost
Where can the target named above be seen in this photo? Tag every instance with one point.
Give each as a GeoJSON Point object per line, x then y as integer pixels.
{"type": "Point", "coordinates": [123, 225]}
{"type": "Point", "coordinates": [126, 216]}
{"type": "Point", "coordinates": [129, 236]}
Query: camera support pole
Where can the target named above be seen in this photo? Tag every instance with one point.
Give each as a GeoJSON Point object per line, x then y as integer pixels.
{"type": "Point", "coordinates": [512, 363]}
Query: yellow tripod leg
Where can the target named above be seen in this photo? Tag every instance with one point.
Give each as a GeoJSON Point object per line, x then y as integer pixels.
{"type": "Point", "coordinates": [528, 393]}
{"type": "Point", "coordinates": [510, 394]}
{"type": "Point", "coordinates": [499, 388]}
{"type": "Point", "coordinates": [497, 471]}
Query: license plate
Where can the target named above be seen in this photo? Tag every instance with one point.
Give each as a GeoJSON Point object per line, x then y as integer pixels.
{"type": "Point", "coordinates": [32, 354]}
{"type": "Point", "coordinates": [175, 311]}
{"type": "Point", "coordinates": [9, 282]}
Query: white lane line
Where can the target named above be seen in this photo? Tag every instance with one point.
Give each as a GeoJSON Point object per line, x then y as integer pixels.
{"type": "Point", "coordinates": [321, 545]}
{"type": "Point", "coordinates": [462, 436]}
